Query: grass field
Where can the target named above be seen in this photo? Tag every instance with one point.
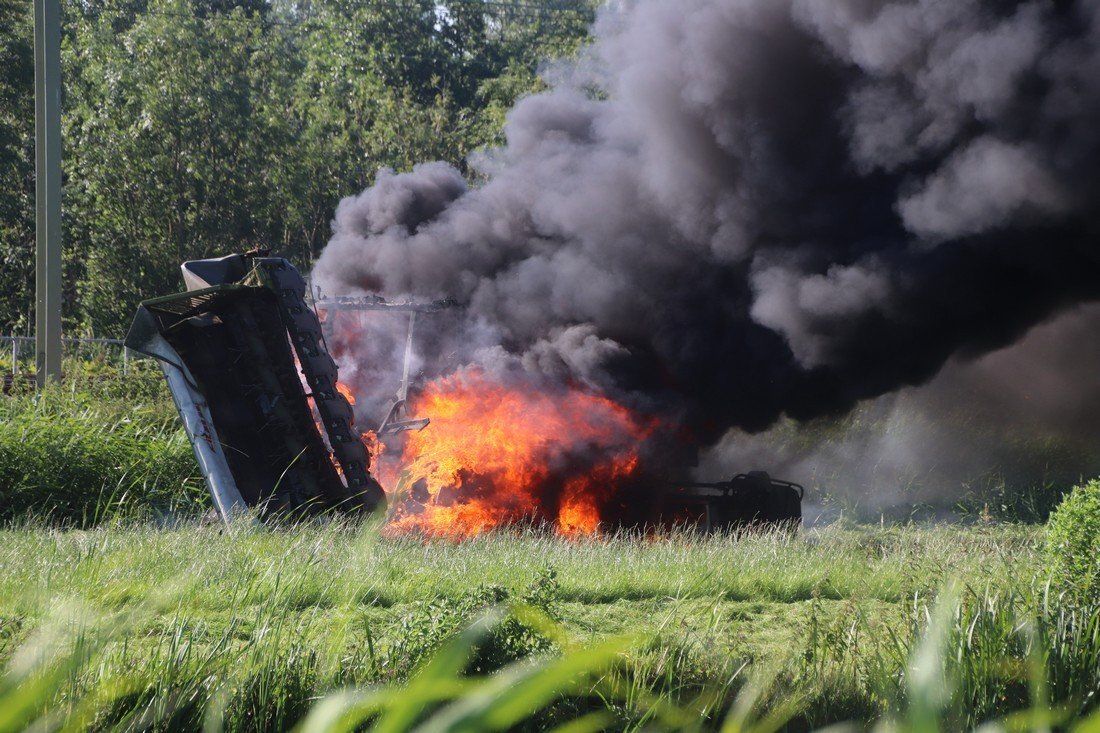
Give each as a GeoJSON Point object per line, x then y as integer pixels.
{"type": "Point", "coordinates": [264, 622]}
{"type": "Point", "coordinates": [119, 609]}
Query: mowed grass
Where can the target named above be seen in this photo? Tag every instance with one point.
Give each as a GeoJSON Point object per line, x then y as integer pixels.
{"type": "Point", "coordinates": [261, 622]}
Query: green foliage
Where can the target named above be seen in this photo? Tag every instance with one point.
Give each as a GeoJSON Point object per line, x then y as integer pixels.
{"type": "Point", "coordinates": [430, 623]}
{"type": "Point", "coordinates": [1073, 546]}
{"type": "Point", "coordinates": [194, 129]}
{"type": "Point", "coordinates": [16, 164]}
{"type": "Point", "coordinates": [94, 453]}
{"type": "Point", "coordinates": [810, 628]}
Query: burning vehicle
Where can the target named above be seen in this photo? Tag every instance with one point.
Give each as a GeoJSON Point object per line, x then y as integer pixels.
{"type": "Point", "coordinates": [246, 355]}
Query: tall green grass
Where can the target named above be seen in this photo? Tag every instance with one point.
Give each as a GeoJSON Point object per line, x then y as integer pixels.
{"type": "Point", "coordinates": [259, 630]}
{"type": "Point", "coordinates": [93, 451]}
{"type": "Point", "coordinates": [966, 661]}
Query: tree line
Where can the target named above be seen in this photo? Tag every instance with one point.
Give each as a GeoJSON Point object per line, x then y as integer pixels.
{"type": "Point", "coordinates": [197, 128]}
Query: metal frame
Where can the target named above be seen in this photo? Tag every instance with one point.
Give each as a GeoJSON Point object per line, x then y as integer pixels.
{"type": "Point", "coordinates": [397, 416]}
{"type": "Point", "coordinates": [198, 423]}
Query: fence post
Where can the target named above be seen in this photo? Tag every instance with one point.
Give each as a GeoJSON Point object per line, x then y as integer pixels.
{"type": "Point", "coordinates": [125, 360]}
{"type": "Point", "coordinates": [14, 357]}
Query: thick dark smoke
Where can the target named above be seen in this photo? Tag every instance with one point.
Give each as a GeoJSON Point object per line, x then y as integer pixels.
{"type": "Point", "coordinates": [732, 210]}
{"type": "Point", "coordinates": [1008, 430]}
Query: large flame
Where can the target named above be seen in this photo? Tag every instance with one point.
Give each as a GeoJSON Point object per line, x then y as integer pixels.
{"type": "Point", "coordinates": [495, 455]}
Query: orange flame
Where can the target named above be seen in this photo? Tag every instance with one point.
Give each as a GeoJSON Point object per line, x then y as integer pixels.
{"type": "Point", "coordinates": [495, 455]}
{"type": "Point", "coordinates": [346, 391]}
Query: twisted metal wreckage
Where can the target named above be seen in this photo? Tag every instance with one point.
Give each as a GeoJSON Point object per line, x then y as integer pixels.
{"type": "Point", "coordinates": [235, 349]}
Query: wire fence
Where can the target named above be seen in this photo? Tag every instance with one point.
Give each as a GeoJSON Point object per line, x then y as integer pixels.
{"type": "Point", "coordinates": [17, 353]}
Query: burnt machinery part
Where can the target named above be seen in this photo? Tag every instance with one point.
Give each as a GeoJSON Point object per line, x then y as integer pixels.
{"type": "Point", "coordinates": [321, 375]}
{"type": "Point", "coordinates": [234, 350]}
{"type": "Point", "coordinates": [752, 499]}
{"type": "Point", "coordinates": [397, 418]}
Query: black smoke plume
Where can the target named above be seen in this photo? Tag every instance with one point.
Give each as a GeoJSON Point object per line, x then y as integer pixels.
{"type": "Point", "coordinates": [733, 210]}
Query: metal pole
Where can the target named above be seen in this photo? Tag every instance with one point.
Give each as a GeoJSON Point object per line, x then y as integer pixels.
{"type": "Point", "coordinates": [14, 357]}
{"type": "Point", "coordinates": [47, 166]}
{"type": "Point", "coordinates": [403, 392]}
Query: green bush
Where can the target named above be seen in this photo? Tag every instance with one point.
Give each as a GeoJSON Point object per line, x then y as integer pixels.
{"type": "Point", "coordinates": [1073, 545]}
{"type": "Point", "coordinates": [80, 457]}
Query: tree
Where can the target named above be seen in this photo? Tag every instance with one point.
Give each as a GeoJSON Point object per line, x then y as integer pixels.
{"type": "Point", "coordinates": [197, 128]}
{"type": "Point", "coordinates": [16, 165]}
{"type": "Point", "coordinates": [178, 130]}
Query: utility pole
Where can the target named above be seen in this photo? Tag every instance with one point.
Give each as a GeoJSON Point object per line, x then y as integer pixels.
{"type": "Point", "coordinates": [47, 168]}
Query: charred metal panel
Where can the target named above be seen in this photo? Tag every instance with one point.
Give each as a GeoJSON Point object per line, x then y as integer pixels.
{"type": "Point", "coordinates": [232, 349]}
{"type": "Point", "coordinates": [747, 500]}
